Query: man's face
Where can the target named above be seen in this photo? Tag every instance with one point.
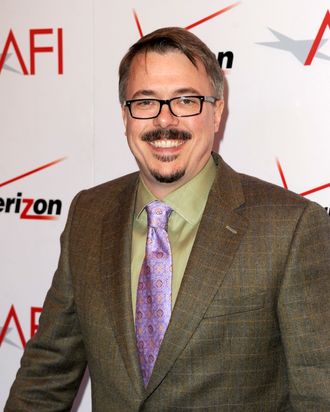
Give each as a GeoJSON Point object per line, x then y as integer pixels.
{"type": "Point", "coordinates": [167, 163]}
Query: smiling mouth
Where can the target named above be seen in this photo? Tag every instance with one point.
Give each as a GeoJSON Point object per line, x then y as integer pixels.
{"type": "Point", "coordinates": [166, 144]}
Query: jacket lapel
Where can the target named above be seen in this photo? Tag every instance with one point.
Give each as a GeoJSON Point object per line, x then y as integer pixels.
{"type": "Point", "coordinates": [116, 273]}
{"type": "Point", "coordinates": [219, 235]}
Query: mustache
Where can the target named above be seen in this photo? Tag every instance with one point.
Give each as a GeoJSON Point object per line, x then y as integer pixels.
{"type": "Point", "coordinates": [159, 134]}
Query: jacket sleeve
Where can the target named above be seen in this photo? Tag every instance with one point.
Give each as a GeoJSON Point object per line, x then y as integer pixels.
{"type": "Point", "coordinates": [304, 312]}
{"type": "Point", "coordinates": [54, 360]}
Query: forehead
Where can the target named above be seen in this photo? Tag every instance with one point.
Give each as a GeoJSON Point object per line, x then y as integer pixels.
{"type": "Point", "coordinates": [163, 74]}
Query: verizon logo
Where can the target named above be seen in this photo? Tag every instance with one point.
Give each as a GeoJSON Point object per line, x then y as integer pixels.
{"type": "Point", "coordinates": [30, 207]}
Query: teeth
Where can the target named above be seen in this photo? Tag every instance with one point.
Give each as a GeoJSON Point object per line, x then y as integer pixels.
{"type": "Point", "coordinates": [166, 143]}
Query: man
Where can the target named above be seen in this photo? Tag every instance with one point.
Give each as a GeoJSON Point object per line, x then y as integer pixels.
{"type": "Point", "coordinates": [232, 316]}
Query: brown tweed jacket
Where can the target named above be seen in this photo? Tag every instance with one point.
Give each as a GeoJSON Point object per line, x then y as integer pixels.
{"type": "Point", "coordinates": [250, 328]}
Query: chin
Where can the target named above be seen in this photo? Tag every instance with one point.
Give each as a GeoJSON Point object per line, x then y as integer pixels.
{"type": "Point", "coordinates": [169, 177]}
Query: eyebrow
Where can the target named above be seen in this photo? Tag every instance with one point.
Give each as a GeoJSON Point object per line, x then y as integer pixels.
{"type": "Point", "coordinates": [187, 91]}
{"type": "Point", "coordinates": [178, 92]}
{"type": "Point", "coordinates": [142, 93]}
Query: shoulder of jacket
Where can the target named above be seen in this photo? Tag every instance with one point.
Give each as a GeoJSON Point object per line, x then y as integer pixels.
{"type": "Point", "coordinates": [98, 197]}
{"type": "Point", "coordinates": [258, 192]}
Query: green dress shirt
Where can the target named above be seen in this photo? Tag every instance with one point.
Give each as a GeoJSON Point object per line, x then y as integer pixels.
{"type": "Point", "coordinates": [188, 203]}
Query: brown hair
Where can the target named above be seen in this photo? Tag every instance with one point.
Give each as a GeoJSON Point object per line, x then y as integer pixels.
{"type": "Point", "coordinates": [173, 38]}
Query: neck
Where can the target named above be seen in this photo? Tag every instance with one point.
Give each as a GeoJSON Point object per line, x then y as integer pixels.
{"type": "Point", "coordinates": [161, 190]}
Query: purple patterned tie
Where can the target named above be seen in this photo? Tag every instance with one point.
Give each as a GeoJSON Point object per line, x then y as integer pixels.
{"type": "Point", "coordinates": [153, 304]}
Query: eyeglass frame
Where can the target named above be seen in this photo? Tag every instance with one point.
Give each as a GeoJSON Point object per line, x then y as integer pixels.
{"type": "Point", "coordinates": [162, 102]}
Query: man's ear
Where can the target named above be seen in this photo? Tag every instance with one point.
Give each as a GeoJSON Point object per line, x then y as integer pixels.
{"type": "Point", "coordinates": [124, 115]}
{"type": "Point", "coordinates": [218, 109]}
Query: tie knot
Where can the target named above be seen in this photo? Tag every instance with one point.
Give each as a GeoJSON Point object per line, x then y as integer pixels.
{"type": "Point", "coordinates": [158, 214]}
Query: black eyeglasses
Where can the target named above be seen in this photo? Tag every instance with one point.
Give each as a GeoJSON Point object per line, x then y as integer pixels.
{"type": "Point", "coordinates": [183, 106]}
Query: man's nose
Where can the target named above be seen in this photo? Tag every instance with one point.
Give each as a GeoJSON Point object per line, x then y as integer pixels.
{"type": "Point", "coordinates": [166, 118]}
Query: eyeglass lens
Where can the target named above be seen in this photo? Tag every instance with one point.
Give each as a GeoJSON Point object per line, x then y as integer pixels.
{"type": "Point", "coordinates": [179, 106]}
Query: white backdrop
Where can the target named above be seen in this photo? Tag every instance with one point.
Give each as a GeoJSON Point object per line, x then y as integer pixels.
{"type": "Point", "coordinates": [61, 127]}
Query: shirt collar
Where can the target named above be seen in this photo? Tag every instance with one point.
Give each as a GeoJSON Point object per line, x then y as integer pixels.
{"type": "Point", "coordinates": [188, 200]}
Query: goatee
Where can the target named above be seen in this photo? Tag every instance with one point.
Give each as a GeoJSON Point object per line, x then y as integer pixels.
{"type": "Point", "coordinates": [173, 177]}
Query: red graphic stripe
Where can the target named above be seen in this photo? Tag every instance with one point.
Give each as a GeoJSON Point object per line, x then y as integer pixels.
{"type": "Point", "coordinates": [211, 16]}
{"type": "Point", "coordinates": [137, 23]}
{"type": "Point", "coordinates": [317, 41]}
{"type": "Point", "coordinates": [281, 174]}
{"type": "Point", "coordinates": [39, 217]}
{"type": "Point", "coordinates": [307, 192]}
{"type": "Point", "coordinates": [316, 189]}
{"type": "Point", "coordinates": [32, 171]}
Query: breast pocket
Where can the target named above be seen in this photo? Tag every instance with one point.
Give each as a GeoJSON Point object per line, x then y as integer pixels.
{"type": "Point", "coordinates": [227, 306]}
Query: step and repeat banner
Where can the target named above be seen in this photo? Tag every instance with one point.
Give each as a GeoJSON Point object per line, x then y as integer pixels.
{"type": "Point", "coordinates": [61, 129]}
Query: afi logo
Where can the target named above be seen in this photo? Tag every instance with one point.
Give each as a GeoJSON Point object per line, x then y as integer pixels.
{"type": "Point", "coordinates": [12, 319]}
{"type": "Point", "coordinates": [11, 45]}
